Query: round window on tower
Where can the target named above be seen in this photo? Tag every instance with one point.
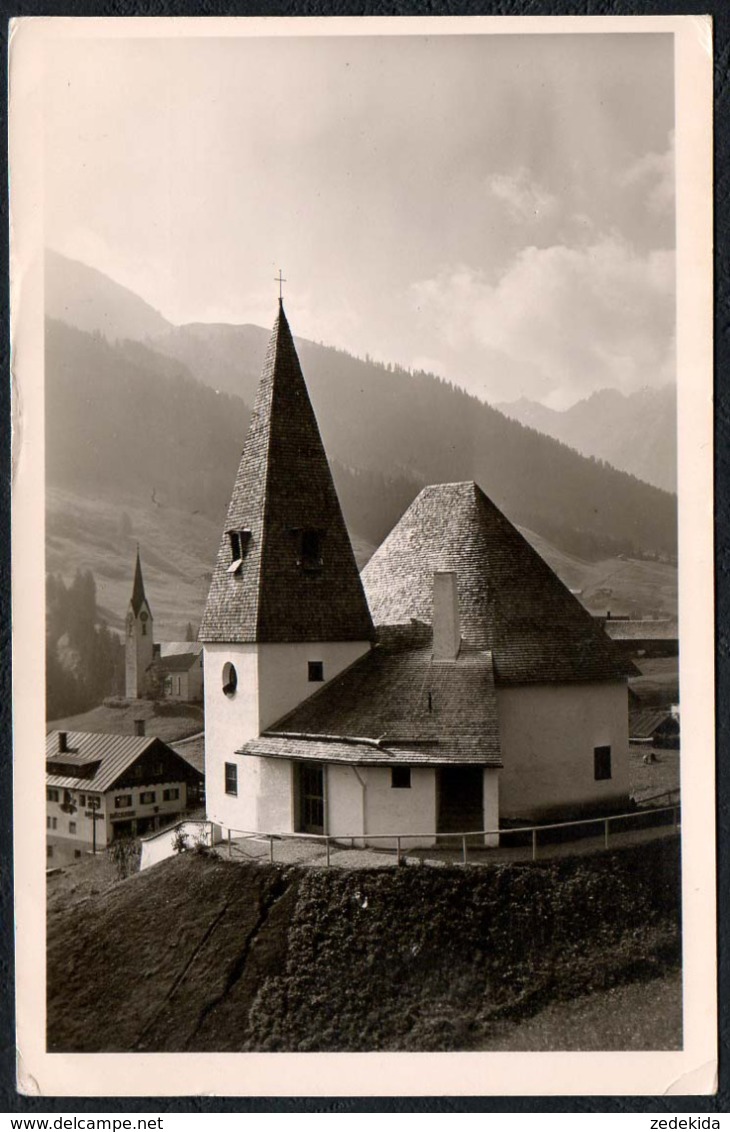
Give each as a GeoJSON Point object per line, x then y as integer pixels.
{"type": "Point", "coordinates": [230, 679]}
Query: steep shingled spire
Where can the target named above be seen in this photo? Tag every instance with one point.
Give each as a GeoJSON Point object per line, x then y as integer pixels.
{"type": "Point", "coordinates": [138, 594]}
{"type": "Point", "coordinates": [296, 578]}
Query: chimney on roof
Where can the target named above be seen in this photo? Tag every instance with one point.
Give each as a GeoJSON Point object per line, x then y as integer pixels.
{"type": "Point", "coordinates": [446, 626]}
{"type": "Point", "coordinates": [62, 743]}
{"type": "Point", "coordinates": [139, 727]}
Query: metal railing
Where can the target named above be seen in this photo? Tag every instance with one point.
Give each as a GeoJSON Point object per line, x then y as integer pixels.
{"type": "Point", "coordinates": [462, 839]}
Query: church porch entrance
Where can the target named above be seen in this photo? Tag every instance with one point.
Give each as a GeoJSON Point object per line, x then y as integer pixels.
{"type": "Point", "coordinates": [309, 800]}
{"type": "Point", "coordinates": [460, 800]}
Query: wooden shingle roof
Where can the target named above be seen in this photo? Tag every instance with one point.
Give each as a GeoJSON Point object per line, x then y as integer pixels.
{"type": "Point", "coordinates": [510, 601]}
{"type": "Point", "coordinates": [395, 705]}
{"type": "Point", "coordinates": [284, 488]}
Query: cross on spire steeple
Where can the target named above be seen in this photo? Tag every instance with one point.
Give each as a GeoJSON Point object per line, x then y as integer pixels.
{"type": "Point", "coordinates": [280, 279]}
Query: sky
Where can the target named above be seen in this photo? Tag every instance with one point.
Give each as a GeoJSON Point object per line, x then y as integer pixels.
{"type": "Point", "coordinates": [497, 209]}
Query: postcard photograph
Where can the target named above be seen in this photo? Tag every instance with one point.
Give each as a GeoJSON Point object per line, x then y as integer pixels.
{"type": "Point", "coordinates": [363, 614]}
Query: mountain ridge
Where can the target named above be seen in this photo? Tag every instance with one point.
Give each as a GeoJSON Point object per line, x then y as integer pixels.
{"type": "Point", "coordinates": [635, 432]}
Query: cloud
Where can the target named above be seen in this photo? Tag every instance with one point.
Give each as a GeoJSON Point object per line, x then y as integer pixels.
{"type": "Point", "coordinates": [560, 322]}
{"type": "Point", "coordinates": [653, 174]}
{"type": "Point", "coordinates": [524, 199]}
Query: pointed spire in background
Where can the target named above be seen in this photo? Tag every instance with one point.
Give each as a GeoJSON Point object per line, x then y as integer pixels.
{"type": "Point", "coordinates": [138, 594]}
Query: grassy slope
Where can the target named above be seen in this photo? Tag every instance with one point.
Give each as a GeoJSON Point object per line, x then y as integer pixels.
{"type": "Point", "coordinates": [202, 954]}
{"type": "Point", "coordinates": [175, 721]}
{"type": "Point", "coordinates": [179, 548]}
{"type": "Point", "coordinates": [178, 551]}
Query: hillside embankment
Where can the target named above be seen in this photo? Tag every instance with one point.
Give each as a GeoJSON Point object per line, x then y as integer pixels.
{"type": "Point", "coordinates": [200, 953]}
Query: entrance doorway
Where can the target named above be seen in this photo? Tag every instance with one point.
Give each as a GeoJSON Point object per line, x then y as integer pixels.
{"type": "Point", "coordinates": [310, 783]}
{"type": "Point", "coordinates": [460, 806]}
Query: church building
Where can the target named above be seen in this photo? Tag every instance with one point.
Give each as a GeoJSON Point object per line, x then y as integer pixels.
{"type": "Point", "coordinates": [456, 685]}
{"type": "Point", "coordinates": [170, 670]}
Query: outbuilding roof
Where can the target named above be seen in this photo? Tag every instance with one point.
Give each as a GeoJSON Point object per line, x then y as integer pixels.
{"type": "Point", "coordinates": [395, 705]}
{"type": "Point", "coordinates": [179, 662]}
{"type": "Point", "coordinates": [644, 724]}
{"type": "Point", "coordinates": [642, 630]}
{"type": "Point", "coordinates": [510, 601]}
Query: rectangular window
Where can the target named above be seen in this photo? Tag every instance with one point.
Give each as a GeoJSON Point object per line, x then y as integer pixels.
{"type": "Point", "coordinates": [400, 777]}
{"type": "Point", "coordinates": [51, 795]}
{"type": "Point", "coordinates": [601, 763]}
{"type": "Point", "coordinates": [316, 670]}
{"type": "Point", "coordinates": [82, 801]}
{"type": "Point", "coordinates": [49, 851]}
{"type": "Point", "coordinates": [147, 797]}
{"type": "Point", "coordinates": [77, 852]}
{"type": "Point", "coordinates": [310, 550]}
{"type": "Point", "coordinates": [51, 823]}
{"type": "Point", "coordinates": [72, 827]}
{"type": "Point", "coordinates": [122, 801]}
{"type": "Point", "coordinates": [170, 795]}
{"type": "Point", "coordinates": [232, 779]}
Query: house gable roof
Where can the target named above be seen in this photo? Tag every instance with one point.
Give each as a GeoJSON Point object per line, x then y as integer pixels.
{"type": "Point", "coordinates": [112, 755]}
{"type": "Point", "coordinates": [395, 705]}
{"type": "Point", "coordinates": [510, 601]}
{"type": "Point", "coordinates": [284, 487]}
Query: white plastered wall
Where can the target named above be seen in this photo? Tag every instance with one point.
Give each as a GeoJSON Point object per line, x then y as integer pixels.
{"type": "Point", "coordinates": [283, 673]}
{"type": "Point", "coordinates": [271, 680]}
{"type": "Point", "coordinates": [547, 736]}
{"type": "Point", "coordinates": [361, 800]}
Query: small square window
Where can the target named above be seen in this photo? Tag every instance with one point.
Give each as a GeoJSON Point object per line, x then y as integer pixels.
{"type": "Point", "coordinates": [51, 795]}
{"type": "Point", "coordinates": [400, 777]}
{"type": "Point", "coordinates": [316, 670]}
{"type": "Point", "coordinates": [77, 852]}
{"type": "Point", "coordinates": [122, 801]}
{"type": "Point", "coordinates": [147, 797]}
{"type": "Point", "coordinates": [601, 763]}
{"type": "Point", "coordinates": [232, 779]}
{"type": "Point", "coordinates": [72, 827]}
{"type": "Point", "coordinates": [170, 795]}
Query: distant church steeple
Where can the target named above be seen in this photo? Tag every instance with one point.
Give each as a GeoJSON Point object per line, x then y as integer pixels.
{"type": "Point", "coordinates": [139, 643]}
{"type": "Point", "coordinates": [285, 570]}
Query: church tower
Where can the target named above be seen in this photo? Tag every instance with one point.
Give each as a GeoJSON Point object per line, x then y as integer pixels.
{"type": "Point", "coordinates": [286, 611]}
{"type": "Point", "coordinates": [139, 642]}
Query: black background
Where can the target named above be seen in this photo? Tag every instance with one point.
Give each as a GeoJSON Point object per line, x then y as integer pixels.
{"type": "Point", "coordinates": [10, 1100]}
